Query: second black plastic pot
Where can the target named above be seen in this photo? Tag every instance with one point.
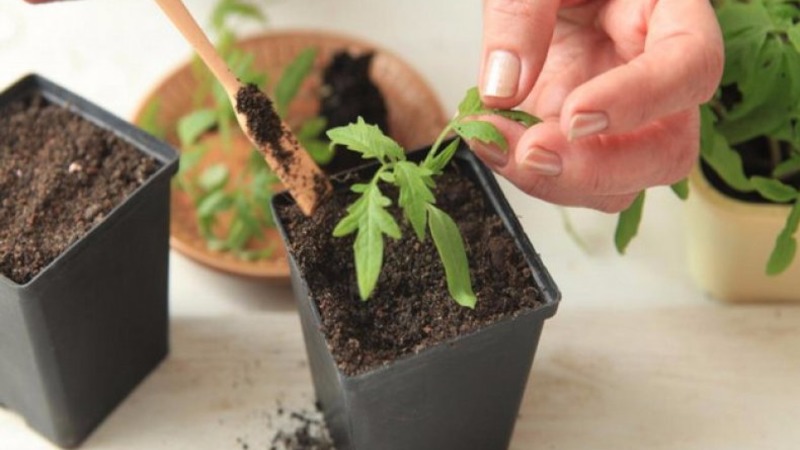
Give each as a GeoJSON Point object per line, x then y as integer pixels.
{"type": "Point", "coordinates": [79, 336]}
{"type": "Point", "coordinates": [463, 394]}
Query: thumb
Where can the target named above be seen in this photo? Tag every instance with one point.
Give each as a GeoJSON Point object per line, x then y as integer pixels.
{"type": "Point", "coordinates": [516, 36]}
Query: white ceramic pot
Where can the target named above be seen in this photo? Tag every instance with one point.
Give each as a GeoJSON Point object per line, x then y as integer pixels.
{"type": "Point", "coordinates": [729, 245]}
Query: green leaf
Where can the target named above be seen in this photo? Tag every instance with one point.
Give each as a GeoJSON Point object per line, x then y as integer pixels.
{"type": "Point", "coordinates": [528, 120]}
{"type": "Point", "coordinates": [628, 224]}
{"type": "Point", "coordinates": [369, 215]}
{"type": "Point", "coordinates": [214, 177]}
{"type": "Point", "coordinates": [715, 151]}
{"type": "Point", "coordinates": [681, 189]}
{"type": "Point", "coordinates": [482, 131]}
{"type": "Point", "coordinates": [786, 244]}
{"type": "Point", "coordinates": [368, 140]}
{"type": "Point", "coordinates": [191, 157]}
{"type": "Point", "coordinates": [292, 78]}
{"type": "Point", "coordinates": [793, 34]}
{"type": "Point", "coordinates": [450, 245]}
{"type": "Point", "coordinates": [213, 203]}
{"type": "Point", "coordinates": [368, 250]}
{"type": "Point", "coordinates": [471, 103]}
{"type": "Point", "coordinates": [312, 127]}
{"type": "Point", "coordinates": [786, 168]}
{"type": "Point", "coordinates": [149, 119]}
{"type": "Point", "coordinates": [193, 125]}
{"type": "Point", "coordinates": [774, 190]}
{"type": "Point", "coordinates": [437, 164]}
{"type": "Point", "coordinates": [320, 151]}
{"type": "Point", "coordinates": [415, 195]}
{"type": "Point", "coordinates": [227, 9]}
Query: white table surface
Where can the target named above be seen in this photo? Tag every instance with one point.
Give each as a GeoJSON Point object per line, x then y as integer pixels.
{"type": "Point", "coordinates": [636, 356]}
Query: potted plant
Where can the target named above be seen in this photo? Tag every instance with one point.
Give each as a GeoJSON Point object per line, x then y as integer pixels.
{"type": "Point", "coordinates": [745, 208]}
{"type": "Point", "coordinates": [83, 258]}
{"type": "Point", "coordinates": [439, 354]}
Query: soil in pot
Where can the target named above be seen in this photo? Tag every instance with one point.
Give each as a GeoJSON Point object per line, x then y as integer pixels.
{"type": "Point", "coordinates": [59, 176]}
{"type": "Point", "coordinates": [410, 309]}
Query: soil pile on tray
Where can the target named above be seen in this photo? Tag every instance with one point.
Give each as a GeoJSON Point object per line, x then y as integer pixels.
{"type": "Point", "coordinates": [59, 176]}
{"type": "Point", "coordinates": [411, 308]}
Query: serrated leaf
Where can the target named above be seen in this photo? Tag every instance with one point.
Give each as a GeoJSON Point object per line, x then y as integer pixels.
{"type": "Point", "coordinates": [785, 249]}
{"type": "Point", "coordinates": [773, 190]}
{"type": "Point", "coordinates": [450, 245]}
{"type": "Point", "coordinates": [471, 103]}
{"type": "Point", "coordinates": [193, 125]}
{"type": "Point", "coordinates": [368, 140]}
{"type": "Point", "coordinates": [482, 131]}
{"type": "Point", "coordinates": [214, 177]}
{"type": "Point", "coordinates": [415, 195]}
{"type": "Point", "coordinates": [292, 78]}
{"type": "Point", "coordinates": [681, 189]}
{"type": "Point", "coordinates": [628, 224]}
{"type": "Point", "coordinates": [368, 215]}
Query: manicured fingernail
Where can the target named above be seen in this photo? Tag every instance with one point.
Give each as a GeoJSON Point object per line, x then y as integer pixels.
{"type": "Point", "coordinates": [543, 162]}
{"type": "Point", "coordinates": [587, 124]}
{"type": "Point", "coordinates": [489, 153]}
{"type": "Point", "coordinates": [501, 75]}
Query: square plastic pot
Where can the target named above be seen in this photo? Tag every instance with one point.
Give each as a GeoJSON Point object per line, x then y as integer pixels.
{"type": "Point", "coordinates": [462, 394]}
{"type": "Point", "coordinates": [77, 338]}
{"type": "Point", "coordinates": [729, 242]}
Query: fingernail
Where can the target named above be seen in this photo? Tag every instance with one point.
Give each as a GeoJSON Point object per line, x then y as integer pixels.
{"type": "Point", "coordinates": [587, 124]}
{"type": "Point", "coordinates": [543, 162]}
{"type": "Point", "coordinates": [489, 153]}
{"type": "Point", "coordinates": [501, 75]}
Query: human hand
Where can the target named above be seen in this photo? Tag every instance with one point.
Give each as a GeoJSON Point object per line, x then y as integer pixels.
{"type": "Point", "coordinates": [617, 84]}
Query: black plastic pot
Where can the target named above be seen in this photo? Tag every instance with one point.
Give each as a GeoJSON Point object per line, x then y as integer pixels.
{"type": "Point", "coordinates": [459, 395]}
{"type": "Point", "coordinates": [77, 338]}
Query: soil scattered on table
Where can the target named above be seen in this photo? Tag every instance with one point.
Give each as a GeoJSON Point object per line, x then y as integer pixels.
{"type": "Point", "coordinates": [302, 430]}
{"type": "Point", "coordinates": [410, 309]}
{"type": "Point", "coordinates": [59, 176]}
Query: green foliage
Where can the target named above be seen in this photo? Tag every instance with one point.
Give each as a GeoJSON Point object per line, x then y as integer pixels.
{"type": "Point", "coordinates": [758, 98]}
{"type": "Point", "coordinates": [628, 223]}
{"type": "Point", "coordinates": [213, 190]}
{"type": "Point", "coordinates": [369, 217]}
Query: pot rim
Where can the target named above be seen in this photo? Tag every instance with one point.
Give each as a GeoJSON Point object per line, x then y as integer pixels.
{"type": "Point", "coordinates": [701, 187]}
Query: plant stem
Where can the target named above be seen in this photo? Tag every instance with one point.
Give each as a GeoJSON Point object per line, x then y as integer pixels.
{"type": "Point", "coordinates": [438, 143]}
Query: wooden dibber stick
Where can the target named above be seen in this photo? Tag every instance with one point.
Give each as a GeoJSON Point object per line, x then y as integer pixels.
{"type": "Point", "coordinates": [306, 182]}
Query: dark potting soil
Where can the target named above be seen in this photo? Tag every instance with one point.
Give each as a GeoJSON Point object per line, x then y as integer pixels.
{"type": "Point", "coordinates": [59, 176]}
{"type": "Point", "coordinates": [348, 93]}
{"type": "Point", "coordinates": [263, 121]}
{"type": "Point", "coordinates": [410, 309]}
